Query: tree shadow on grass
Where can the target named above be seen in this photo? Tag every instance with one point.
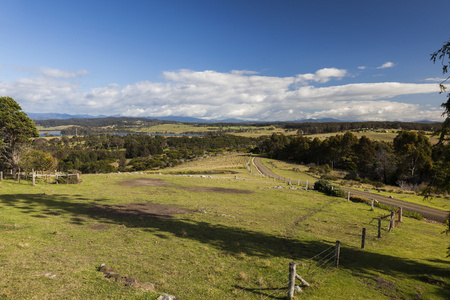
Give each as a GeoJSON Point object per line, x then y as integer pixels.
{"type": "Point", "coordinates": [232, 240]}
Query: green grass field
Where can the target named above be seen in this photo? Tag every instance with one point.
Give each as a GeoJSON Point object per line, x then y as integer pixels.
{"type": "Point", "coordinates": [221, 236]}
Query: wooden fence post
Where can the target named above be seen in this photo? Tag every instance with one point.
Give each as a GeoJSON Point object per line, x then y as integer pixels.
{"type": "Point", "coordinates": [348, 196]}
{"type": "Point", "coordinates": [34, 179]}
{"type": "Point", "coordinates": [371, 205]}
{"type": "Point", "coordinates": [337, 253]}
{"type": "Point", "coordinates": [391, 221]}
{"type": "Point", "coordinates": [306, 184]}
{"type": "Point", "coordinates": [292, 272]}
{"type": "Point", "coordinates": [18, 177]}
{"type": "Point", "coordinates": [78, 177]}
{"type": "Point", "coordinates": [379, 228]}
{"type": "Point", "coordinates": [1, 175]}
{"type": "Point", "coordinates": [400, 214]}
{"type": "Point", "coordinates": [363, 238]}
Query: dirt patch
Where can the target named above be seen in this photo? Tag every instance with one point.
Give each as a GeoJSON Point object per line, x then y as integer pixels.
{"type": "Point", "coordinates": [386, 288]}
{"type": "Point", "coordinates": [217, 190]}
{"type": "Point", "coordinates": [140, 211]}
{"type": "Point", "coordinates": [144, 182]}
{"type": "Point", "coordinates": [99, 227]}
{"type": "Point", "coordinates": [382, 283]}
{"type": "Point", "coordinates": [152, 208]}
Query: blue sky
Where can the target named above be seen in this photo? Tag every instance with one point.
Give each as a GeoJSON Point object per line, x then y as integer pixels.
{"type": "Point", "coordinates": [261, 60]}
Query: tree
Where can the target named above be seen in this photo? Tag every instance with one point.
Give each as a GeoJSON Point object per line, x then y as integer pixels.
{"type": "Point", "coordinates": [440, 184]}
{"type": "Point", "coordinates": [365, 153]}
{"type": "Point", "coordinates": [16, 129]}
{"type": "Point", "coordinates": [443, 55]}
{"type": "Point", "coordinates": [38, 160]}
{"type": "Point", "coordinates": [274, 144]}
{"type": "Point", "coordinates": [413, 151]}
{"type": "Point", "coordinates": [440, 181]}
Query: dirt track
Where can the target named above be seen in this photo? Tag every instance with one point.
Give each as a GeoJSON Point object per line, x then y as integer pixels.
{"type": "Point", "coordinates": [426, 212]}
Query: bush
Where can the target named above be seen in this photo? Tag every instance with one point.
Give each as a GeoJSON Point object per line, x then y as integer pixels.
{"type": "Point", "coordinates": [67, 179]}
{"type": "Point", "coordinates": [323, 186]}
{"type": "Point", "coordinates": [359, 199]}
{"type": "Point", "coordinates": [352, 176]}
{"type": "Point", "coordinates": [378, 184]}
{"type": "Point", "coordinates": [328, 177]}
{"type": "Point", "coordinates": [329, 189]}
{"type": "Point", "coordinates": [337, 192]}
{"type": "Point", "coordinates": [313, 170]}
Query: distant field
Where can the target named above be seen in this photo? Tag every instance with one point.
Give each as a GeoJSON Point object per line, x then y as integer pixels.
{"type": "Point", "coordinates": [381, 135]}
{"type": "Point", "coordinates": [250, 131]}
{"type": "Point", "coordinates": [222, 236]}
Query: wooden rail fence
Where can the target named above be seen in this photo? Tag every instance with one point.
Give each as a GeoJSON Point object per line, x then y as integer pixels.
{"type": "Point", "coordinates": [35, 175]}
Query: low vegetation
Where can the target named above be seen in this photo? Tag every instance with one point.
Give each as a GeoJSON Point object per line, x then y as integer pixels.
{"type": "Point", "coordinates": [218, 236]}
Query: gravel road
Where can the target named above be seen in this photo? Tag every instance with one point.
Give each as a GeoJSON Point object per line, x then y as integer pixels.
{"type": "Point", "coordinates": [427, 212]}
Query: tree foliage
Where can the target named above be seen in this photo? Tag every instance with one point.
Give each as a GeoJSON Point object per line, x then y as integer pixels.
{"type": "Point", "coordinates": [440, 182]}
{"type": "Point", "coordinates": [408, 159]}
{"type": "Point", "coordinates": [16, 128]}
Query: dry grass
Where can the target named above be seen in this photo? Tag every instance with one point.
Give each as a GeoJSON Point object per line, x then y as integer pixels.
{"type": "Point", "coordinates": [218, 163]}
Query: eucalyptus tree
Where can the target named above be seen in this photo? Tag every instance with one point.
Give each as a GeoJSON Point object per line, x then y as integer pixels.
{"type": "Point", "coordinates": [16, 129]}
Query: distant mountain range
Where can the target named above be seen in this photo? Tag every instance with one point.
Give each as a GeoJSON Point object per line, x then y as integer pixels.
{"type": "Point", "coordinates": [57, 116]}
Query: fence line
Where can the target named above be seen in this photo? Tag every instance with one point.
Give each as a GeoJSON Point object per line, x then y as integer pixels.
{"type": "Point", "coordinates": [268, 286]}
{"type": "Point", "coordinates": [288, 180]}
{"type": "Point", "coordinates": [34, 175]}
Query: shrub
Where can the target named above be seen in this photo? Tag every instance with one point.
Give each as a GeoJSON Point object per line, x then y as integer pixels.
{"type": "Point", "coordinates": [322, 186]}
{"type": "Point", "coordinates": [329, 189]}
{"type": "Point", "coordinates": [378, 184]}
{"type": "Point", "coordinates": [328, 177]}
{"type": "Point", "coordinates": [359, 199]}
{"type": "Point", "coordinates": [352, 176]}
{"type": "Point", "coordinates": [313, 170]}
{"type": "Point", "coordinates": [337, 192]}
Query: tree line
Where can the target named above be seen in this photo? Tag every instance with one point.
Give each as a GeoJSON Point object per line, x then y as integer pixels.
{"type": "Point", "coordinates": [103, 153]}
{"type": "Point", "coordinates": [127, 124]}
{"type": "Point", "coordinates": [410, 159]}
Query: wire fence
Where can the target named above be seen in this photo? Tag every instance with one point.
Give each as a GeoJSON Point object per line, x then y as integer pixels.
{"type": "Point", "coordinates": [275, 285]}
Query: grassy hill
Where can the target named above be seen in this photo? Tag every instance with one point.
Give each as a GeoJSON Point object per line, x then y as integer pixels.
{"type": "Point", "coordinates": [222, 236]}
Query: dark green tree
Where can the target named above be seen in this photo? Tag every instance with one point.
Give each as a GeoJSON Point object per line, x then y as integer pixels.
{"type": "Point", "coordinates": [16, 129]}
{"type": "Point", "coordinates": [365, 153]}
{"type": "Point", "coordinates": [413, 152]}
{"type": "Point", "coordinates": [443, 55]}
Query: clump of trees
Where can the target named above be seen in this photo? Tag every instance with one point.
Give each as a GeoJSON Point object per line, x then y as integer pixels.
{"type": "Point", "coordinates": [104, 153]}
{"type": "Point", "coordinates": [408, 159]}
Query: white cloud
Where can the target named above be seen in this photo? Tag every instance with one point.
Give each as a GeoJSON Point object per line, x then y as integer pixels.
{"type": "Point", "coordinates": [362, 67]}
{"type": "Point", "coordinates": [322, 75]}
{"type": "Point", "coordinates": [386, 65]}
{"type": "Point", "coordinates": [377, 111]}
{"type": "Point", "coordinates": [436, 79]}
{"type": "Point", "coordinates": [237, 94]}
{"type": "Point", "coordinates": [56, 73]}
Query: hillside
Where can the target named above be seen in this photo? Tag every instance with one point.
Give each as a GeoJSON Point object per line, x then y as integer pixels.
{"type": "Point", "coordinates": [207, 236]}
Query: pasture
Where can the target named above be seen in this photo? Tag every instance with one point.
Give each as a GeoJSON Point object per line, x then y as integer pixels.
{"type": "Point", "coordinates": [228, 235]}
{"type": "Point", "coordinates": [383, 135]}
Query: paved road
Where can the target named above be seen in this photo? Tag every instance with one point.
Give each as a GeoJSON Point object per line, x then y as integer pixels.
{"type": "Point", "coordinates": [426, 212]}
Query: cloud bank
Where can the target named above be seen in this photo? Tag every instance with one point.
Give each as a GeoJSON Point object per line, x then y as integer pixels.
{"type": "Point", "coordinates": [238, 94]}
